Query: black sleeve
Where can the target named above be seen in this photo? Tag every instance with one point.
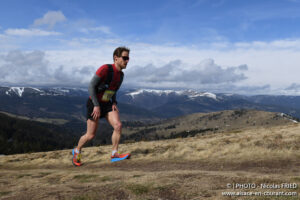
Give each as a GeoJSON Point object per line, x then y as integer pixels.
{"type": "Point", "coordinates": [93, 87]}
{"type": "Point", "coordinates": [114, 99]}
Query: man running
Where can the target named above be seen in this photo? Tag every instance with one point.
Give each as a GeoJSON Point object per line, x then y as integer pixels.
{"type": "Point", "coordinates": [102, 103]}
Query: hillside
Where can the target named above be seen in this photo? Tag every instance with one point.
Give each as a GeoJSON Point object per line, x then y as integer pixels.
{"type": "Point", "coordinates": [190, 125]}
{"type": "Point", "coordinates": [205, 123]}
{"type": "Point", "coordinates": [200, 167]}
{"type": "Point", "coordinates": [23, 135]}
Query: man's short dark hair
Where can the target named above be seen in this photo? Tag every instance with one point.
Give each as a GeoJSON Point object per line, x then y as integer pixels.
{"type": "Point", "coordinates": [118, 51]}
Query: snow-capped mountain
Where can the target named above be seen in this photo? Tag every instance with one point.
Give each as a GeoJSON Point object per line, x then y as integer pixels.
{"type": "Point", "coordinates": [58, 103]}
{"type": "Point", "coordinates": [19, 91]}
{"type": "Point", "coordinates": [171, 103]}
{"type": "Point", "coordinates": [189, 93]}
{"type": "Point", "coordinates": [68, 104]}
{"type": "Point", "coordinates": [31, 91]}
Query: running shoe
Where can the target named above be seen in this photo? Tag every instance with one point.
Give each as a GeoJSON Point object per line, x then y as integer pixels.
{"type": "Point", "coordinates": [76, 160]}
{"type": "Point", "coordinates": [118, 157]}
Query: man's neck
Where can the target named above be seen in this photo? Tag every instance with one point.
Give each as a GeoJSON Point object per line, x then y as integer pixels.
{"type": "Point", "coordinates": [118, 67]}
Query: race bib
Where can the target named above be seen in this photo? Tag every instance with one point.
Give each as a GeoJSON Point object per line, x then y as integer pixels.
{"type": "Point", "coordinates": [107, 95]}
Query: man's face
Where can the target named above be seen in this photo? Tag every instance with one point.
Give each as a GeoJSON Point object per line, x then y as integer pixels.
{"type": "Point", "coordinates": [123, 60]}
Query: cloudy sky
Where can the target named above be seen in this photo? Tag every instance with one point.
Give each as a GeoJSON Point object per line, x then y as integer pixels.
{"type": "Point", "coordinates": [232, 46]}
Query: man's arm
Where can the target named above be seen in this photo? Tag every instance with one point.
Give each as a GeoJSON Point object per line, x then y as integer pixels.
{"type": "Point", "coordinates": [114, 99]}
{"type": "Point", "coordinates": [93, 87]}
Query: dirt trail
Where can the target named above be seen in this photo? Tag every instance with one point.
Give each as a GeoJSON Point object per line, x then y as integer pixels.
{"type": "Point", "coordinates": [168, 179]}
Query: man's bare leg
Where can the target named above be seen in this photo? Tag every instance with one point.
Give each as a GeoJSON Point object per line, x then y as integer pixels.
{"type": "Point", "coordinates": [90, 133]}
{"type": "Point", "coordinates": [114, 119]}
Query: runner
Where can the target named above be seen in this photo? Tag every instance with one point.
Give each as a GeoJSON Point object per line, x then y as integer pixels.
{"type": "Point", "coordinates": [102, 103]}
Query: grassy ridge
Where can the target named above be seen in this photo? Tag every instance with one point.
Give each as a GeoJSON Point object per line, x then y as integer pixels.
{"type": "Point", "coordinates": [203, 123]}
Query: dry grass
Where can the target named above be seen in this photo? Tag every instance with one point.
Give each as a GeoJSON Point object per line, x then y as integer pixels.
{"type": "Point", "coordinates": [192, 168]}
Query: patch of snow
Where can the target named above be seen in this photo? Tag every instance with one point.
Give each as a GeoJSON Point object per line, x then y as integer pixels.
{"type": "Point", "coordinates": [158, 92]}
{"type": "Point", "coordinates": [132, 94]}
{"type": "Point", "coordinates": [211, 95]}
{"type": "Point", "coordinates": [229, 95]}
{"type": "Point", "coordinates": [17, 90]}
{"type": "Point", "coordinates": [65, 90]}
{"type": "Point", "coordinates": [205, 94]}
{"type": "Point", "coordinates": [36, 89]}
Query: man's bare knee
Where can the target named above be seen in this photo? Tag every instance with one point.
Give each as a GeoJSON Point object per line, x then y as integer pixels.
{"type": "Point", "coordinates": [118, 127]}
{"type": "Point", "coordinates": [89, 136]}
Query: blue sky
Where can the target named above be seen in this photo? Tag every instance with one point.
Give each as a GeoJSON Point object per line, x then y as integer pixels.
{"type": "Point", "coordinates": [249, 47]}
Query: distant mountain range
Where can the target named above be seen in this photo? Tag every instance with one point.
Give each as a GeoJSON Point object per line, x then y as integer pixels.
{"type": "Point", "coordinates": [170, 103]}
{"type": "Point", "coordinates": [139, 108]}
{"type": "Point", "coordinates": [142, 104]}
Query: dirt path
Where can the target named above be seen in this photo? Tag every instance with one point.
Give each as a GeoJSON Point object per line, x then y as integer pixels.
{"type": "Point", "coordinates": [130, 179]}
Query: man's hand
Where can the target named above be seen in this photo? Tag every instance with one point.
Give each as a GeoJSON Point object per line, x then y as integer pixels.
{"type": "Point", "coordinates": [115, 108]}
{"type": "Point", "coordinates": [96, 112]}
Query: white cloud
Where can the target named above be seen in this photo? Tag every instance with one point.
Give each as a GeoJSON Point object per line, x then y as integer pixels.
{"type": "Point", "coordinates": [50, 19]}
{"type": "Point", "coordinates": [2, 37]}
{"type": "Point", "coordinates": [23, 67]}
{"type": "Point", "coordinates": [277, 44]}
{"type": "Point", "coordinates": [102, 29]}
{"type": "Point", "coordinates": [6, 43]}
{"type": "Point", "coordinates": [33, 68]}
{"type": "Point", "coordinates": [268, 62]}
{"type": "Point", "coordinates": [178, 74]}
{"type": "Point", "coordinates": [294, 87]}
{"type": "Point", "coordinates": [30, 32]}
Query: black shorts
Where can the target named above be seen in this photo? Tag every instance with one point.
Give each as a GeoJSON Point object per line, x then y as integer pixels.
{"type": "Point", "coordinates": [104, 109]}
